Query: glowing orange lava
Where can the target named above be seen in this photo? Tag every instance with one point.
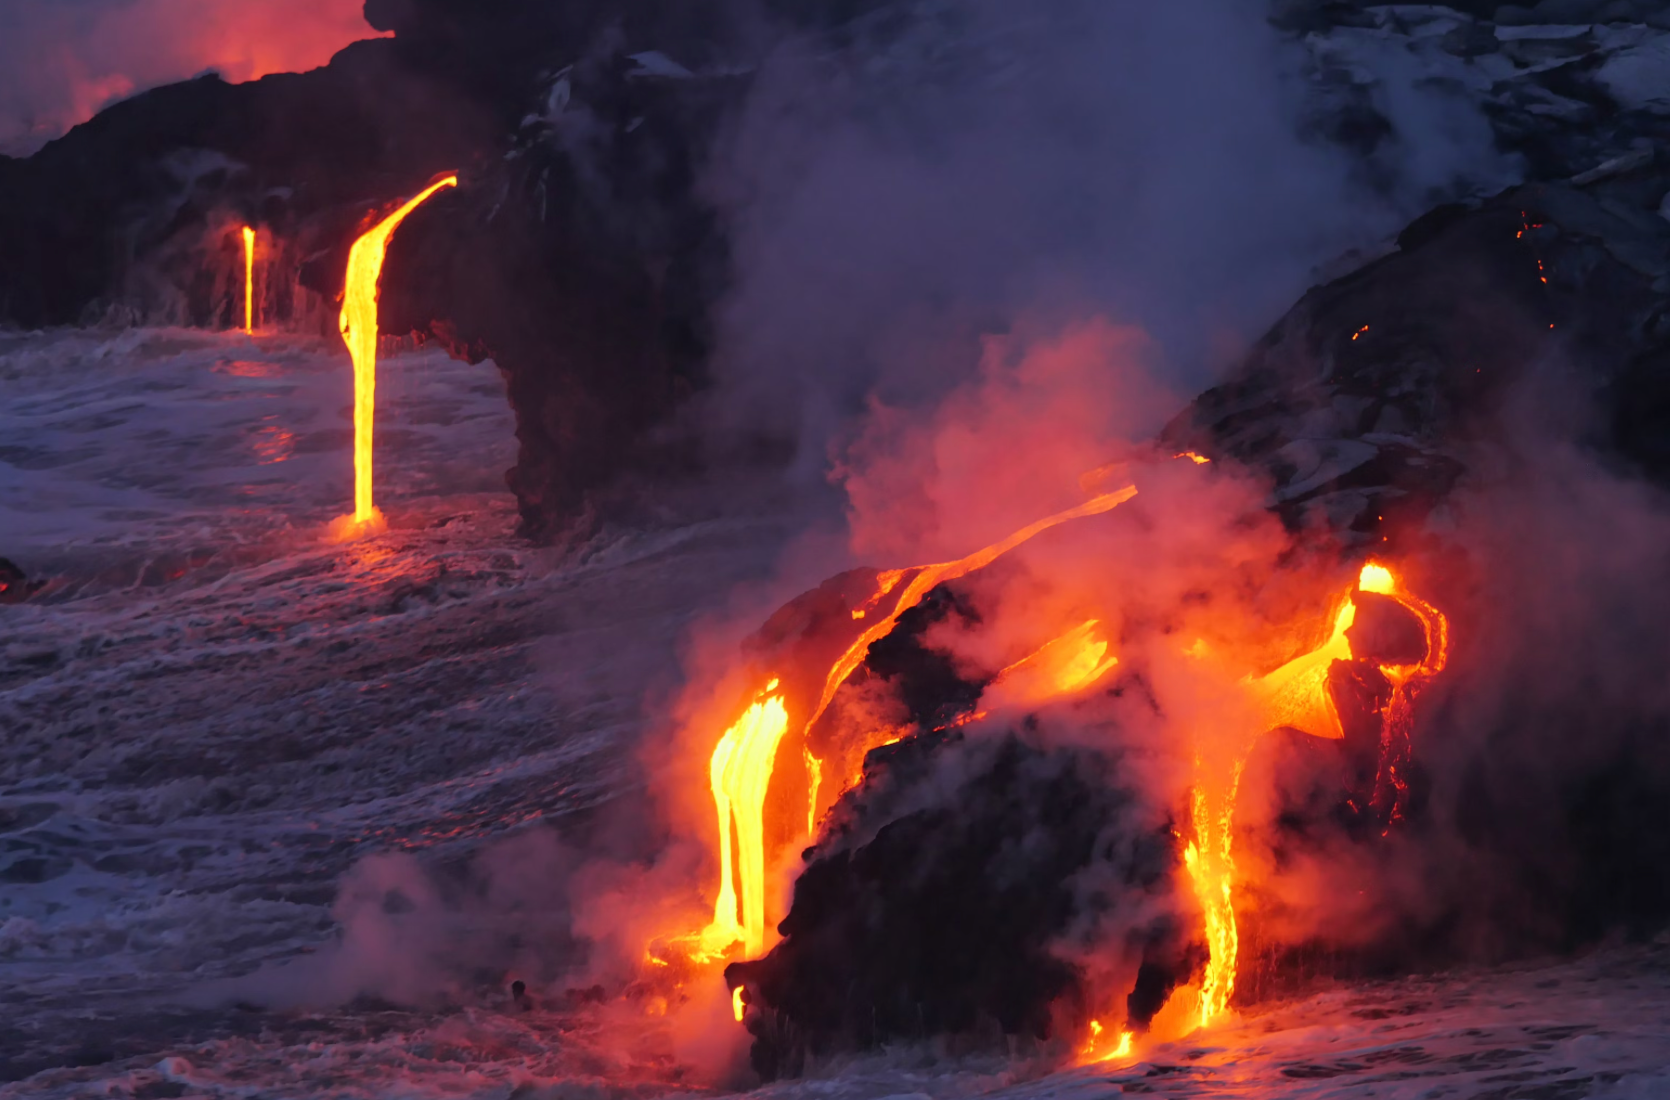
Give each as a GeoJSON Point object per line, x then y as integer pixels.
{"type": "Point", "coordinates": [1296, 695]}
{"type": "Point", "coordinates": [359, 332]}
{"type": "Point", "coordinates": [1209, 860]}
{"type": "Point", "coordinates": [740, 773]}
{"type": "Point", "coordinates": [249, 280]}
{"type": "Point", "coordinates": [1095, 1051]}
{"type": "Point", "coordinates": [742, 763]}
{"type": "Point", "coordinates": [1062, 666]}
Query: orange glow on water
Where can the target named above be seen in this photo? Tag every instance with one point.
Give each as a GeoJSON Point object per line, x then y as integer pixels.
{"type": "Point", "coordinates": [249, 280]}
{"type": "Point", "coordinates": [359, 332]}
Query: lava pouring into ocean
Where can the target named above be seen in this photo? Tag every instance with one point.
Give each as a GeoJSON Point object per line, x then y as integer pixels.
{"type": "Point", "coordinates": [1297, 696]}
{"type": "Point", "coordinates": [249, 280]}
{"type": "Point", "coordinates": [359, 332]}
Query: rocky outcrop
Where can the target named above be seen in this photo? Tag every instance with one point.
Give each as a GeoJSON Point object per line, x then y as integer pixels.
{"type": "Point", "coordinates": [1362, 401]}
{"type": "Point", "coordinates": [918, 915]}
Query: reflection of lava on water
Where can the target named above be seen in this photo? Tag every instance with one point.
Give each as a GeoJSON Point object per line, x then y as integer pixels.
{"type": "Point", "coordinates": [273, 444]}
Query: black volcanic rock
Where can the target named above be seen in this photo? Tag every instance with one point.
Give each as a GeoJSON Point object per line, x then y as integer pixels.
{"type": "Point", "coordinates": [1362, 401]}
{"type": "Point", "coordinates": [940, 903]}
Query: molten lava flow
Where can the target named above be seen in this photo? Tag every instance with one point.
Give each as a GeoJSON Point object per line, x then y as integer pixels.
{"type": "Point", "coordinates": [1209, 860]}
{"type": "Point", "coordinates": [1296, 695]}
{"type": "Point", "coordinates": [1093, 1051]}
{"type": "Point", "coordinates": [1062, 666]}
{"type": "Point", "coordinates": [740, 772]}
{"type": "Point", "coordinates": [929, 577]}
{"type": "Point", "coordinates": [359, 332]}
{"type": "Point", "coordinates": [249, 280]}
{"type": "Point", "coordinates": [742, 763]}
{"type": "Point", "coordinates": [1391, 788]}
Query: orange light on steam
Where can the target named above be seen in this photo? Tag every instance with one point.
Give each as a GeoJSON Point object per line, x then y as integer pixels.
{"type": "Point", "coordinates": [1092, 1052]}
{"type": "Point", "coordinates": [249, 280]}
{"type": "Point", "coordinates": [742, 763]}
{"type": "Point", "coordinates": [1296, 695]}
{"type": "Point", "coordinates": [359, 332]}
{"type": "Point", "coordinates": [1062, 666]}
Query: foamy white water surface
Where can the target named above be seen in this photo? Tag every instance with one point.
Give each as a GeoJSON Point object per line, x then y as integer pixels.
{"type": "Point", "coordinates": [211, 714]}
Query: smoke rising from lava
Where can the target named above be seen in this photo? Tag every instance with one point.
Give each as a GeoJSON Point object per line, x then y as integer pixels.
{"type": "Point", "coordinates": [990, 165]}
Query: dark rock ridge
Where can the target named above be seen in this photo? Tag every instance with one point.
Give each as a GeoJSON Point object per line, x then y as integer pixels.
{"type": "Point", "coordinates": [1363, 401]}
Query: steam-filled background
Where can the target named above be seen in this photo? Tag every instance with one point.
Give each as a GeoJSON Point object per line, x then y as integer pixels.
{"type": "Point", "coordinates": [982, 166]}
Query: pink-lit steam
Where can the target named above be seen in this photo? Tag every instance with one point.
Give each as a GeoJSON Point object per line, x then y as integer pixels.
{"type": "Point", "coordinates": [63, 63]}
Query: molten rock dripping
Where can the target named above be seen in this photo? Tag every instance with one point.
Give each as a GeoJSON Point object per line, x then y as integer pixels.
{"type": "Point", "coordinates": [359, 332]}
{"type": "Point", "coordinates": [740, 773]}
{"type": "Point", "coordinates": [1297, 696]}
{"type": "Point", "coordinates": [249, 280]}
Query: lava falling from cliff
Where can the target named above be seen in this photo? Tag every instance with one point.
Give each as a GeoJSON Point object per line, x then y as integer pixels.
{"type": "Point", "coordinates": [249, 280]}
{"type": "Point", "coordinates": [1297, 696]}
{"type": "Point", "coordinates": [359, 332]}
